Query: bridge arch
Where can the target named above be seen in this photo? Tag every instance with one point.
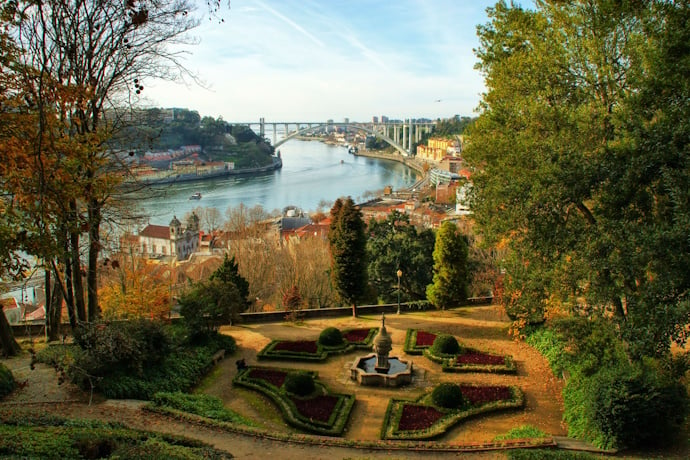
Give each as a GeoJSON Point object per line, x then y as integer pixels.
{"type": "Point", "coordinates": [299, 132]}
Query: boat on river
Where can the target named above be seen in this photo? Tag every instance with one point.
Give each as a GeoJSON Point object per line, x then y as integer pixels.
{"type": "Point", "coordinates": [195, 196]}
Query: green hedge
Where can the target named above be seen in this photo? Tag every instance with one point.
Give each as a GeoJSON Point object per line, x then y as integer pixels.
{"type": "Point", "coordinates": [451, 417]}
{"type": "Point", "coordinates": [333, 427]}
{"type": "Point", "coordinates": [322, 351]}
{"type": "Point", "coordinates": [7, 383]}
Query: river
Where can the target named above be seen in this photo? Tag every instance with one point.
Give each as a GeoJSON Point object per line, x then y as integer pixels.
{"type": "Point", "coordinates": [313, 173]}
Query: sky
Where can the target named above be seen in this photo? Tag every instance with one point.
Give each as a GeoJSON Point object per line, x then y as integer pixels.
{"type": "Point", "coordinates": [314, 60]}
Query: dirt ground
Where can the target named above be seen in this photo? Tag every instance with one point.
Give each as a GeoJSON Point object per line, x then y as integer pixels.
{"type": "Point", "coordinates": [478, 327]}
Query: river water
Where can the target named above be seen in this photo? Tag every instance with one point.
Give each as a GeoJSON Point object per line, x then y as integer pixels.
{"type": "Point", "coordinates": [313, 173]}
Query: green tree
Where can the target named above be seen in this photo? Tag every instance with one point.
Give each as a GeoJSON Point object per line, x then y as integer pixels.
{"type": "Point", "coordinates": [209, 304]}
{"type": "Point", "coordinates": [228, 273]}
{"type": "Point", "coordinates": [451, 278]}
{"type": "Point", "coordinates": [586, 112]}
{"type": "Point", "coordinates": [394, 244]}
{"type": "Point", "coordinates": [347, 241]}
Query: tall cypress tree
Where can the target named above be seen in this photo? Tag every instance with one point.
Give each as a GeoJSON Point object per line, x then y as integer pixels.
{"type": "Point", "coordinates": [451, 277]}
{"type": "Point", "coordinates": [347, 241]}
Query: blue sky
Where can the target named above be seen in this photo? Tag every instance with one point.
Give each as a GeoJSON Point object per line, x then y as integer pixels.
{"type": "Point", "coordinates": [313, 60]}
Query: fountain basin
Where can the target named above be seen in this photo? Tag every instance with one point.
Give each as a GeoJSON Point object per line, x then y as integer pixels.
{"type": "Point", "coordinates": [364, 371]}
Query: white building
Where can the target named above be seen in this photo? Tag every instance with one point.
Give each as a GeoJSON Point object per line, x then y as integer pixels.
{"type": "Point", "coordinates": [173, 240]}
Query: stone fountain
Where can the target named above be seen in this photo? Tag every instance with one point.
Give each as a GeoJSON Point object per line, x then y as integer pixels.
{"type": "Point", "coordinates": [378, 369]}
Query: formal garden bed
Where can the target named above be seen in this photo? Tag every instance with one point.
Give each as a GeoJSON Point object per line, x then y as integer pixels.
{"type": "Point", "coordinates": [426, 418]}
{"type": "Point", "coordinates": [316, 410]}
{"type": "Point", "coordinates": [462, 359]}
{"type": "Point", "coordinates": [318, 350]}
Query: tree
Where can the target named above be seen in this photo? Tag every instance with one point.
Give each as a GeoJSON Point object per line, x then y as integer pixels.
{"type": "Point", "coordinates": [79, 62]}
{"type": "Point", "coordinates": [451, 277]}
{"type": "Point", "coordinates": [347, 241]}
{"type": "Point", "coordinates": [586, 113]}
{"type": "Point", "coordinates": [135, 288]}
{"type": "Point", "coordinates": [228, 273]}
{"type": "Point", "coordinates": [394, 244]}
{"type": "Point", "coordinates": [210, 304]}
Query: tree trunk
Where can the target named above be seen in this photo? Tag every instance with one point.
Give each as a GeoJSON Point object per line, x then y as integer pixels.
{"type": "Point", "coordinates": [8, 345]}
{"type": "Point", "coordinates": [54, 315]}
{"type": "Point", "coordinates": [354, 310]}
{"type": "Point", "coordinates": [94, 250]}
{"type": "Point", "coordinates": [77, 281]}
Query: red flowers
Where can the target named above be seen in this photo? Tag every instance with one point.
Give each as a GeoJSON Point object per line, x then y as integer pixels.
{"type": "Point", "coordinates": [356, 335]}
{"type": "Point", "coordinates": [275, 378]}
{"type": "Point", "coordinates": [318, 408]}
{"type": "Point", "coordinates": [477, 357]}
{"type": "Point", "coordinates": [298, 346]}
{"type": "Point", "coordinates": [417, 417]}
{"type": "Point", "coordinates": [425, 339]}
{"type": "Point", "coordinates": [485, 394]}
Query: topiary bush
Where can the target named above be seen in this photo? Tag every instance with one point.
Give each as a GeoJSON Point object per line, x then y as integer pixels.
{"type": "Point", "coordinates": [6, 381]}
{"type": "Point", "coordinates": [331, 337]}
{"type": "Point", "coordinates": [299, 383]}
{"type": "Point", "coordinates": [445, 344]}
{"type": "Point", "coordinates": [448, 395]}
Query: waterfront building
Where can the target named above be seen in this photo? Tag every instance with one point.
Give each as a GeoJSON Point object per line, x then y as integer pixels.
{"type": "Point", "coordinates": [173, 240]}
{"type": "Point", "coordinates": [439, 148]}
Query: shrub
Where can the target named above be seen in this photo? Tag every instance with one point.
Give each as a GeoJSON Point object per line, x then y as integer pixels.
{"type": "Point", "coordinates": [522, 432]}
{"type": "Point", "coordinates": [6, 381]}
{"type": "Point", "coordinates": [448, 395]}
{"type": "Point", "coordinates": [299, 383]}
{"type": "Point", "coordinates": [331, 337]}
{"type": "Point", "coordinates": [127, 346]}
{"type": "Point", "coordinates": [445, 344]}
{"type": "Point", "coordinates": [628, 405]}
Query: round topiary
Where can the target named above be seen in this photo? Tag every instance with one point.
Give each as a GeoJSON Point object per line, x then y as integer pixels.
{"type": "Point", "coordinates": [448, 395]}
{"type": "Point", "coordinates": [331, 336]}
{"type": "Point", "coordinates": [6, 381]}
{"type": "Point", "coordinates": [299, 383]}
{"type": "Point", "coordinates": [445, 344]}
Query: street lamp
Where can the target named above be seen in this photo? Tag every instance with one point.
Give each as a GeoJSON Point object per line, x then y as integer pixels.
{"type": "Point", "coordinates": [399, 273]}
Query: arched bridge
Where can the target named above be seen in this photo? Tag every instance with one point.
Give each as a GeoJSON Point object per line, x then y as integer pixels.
{"type": "Point", "coordinates": [399, 134]}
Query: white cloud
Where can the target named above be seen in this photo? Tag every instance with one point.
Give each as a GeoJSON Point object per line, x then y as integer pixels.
{"type": "Point", "coordinates": [299, 60]}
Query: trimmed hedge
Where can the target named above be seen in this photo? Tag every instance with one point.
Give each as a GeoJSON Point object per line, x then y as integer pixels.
{"type": "Point", "coordinates": [445, 344]}
{"type": "Point", "coordinates": [289, 406]}
{"type": "Point", "coordinates": [448, 417]}
{"type": "Point", "coordinates": [448, 395]}
{"type": "Point", "coordinates": [7, 383]}
{"type": "Point", "coordinates": [299, 383]}
{"type": "Point", "coordinates": [313, 350]}
{"type": "Point", "coordinates": [331, 337]}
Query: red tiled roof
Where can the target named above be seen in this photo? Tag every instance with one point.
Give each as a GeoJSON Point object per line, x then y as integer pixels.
{"type": "Point", "coordinates": [8, 303]}
{"type": "Point", "coordinates": [156, 231]}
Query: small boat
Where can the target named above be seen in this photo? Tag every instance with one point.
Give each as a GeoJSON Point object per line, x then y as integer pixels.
{"type": "Point", "coordinates": [195, 196]}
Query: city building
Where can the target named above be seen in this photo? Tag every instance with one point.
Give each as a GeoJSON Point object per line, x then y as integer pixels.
{"type": "Point", "coordinates": [439, 148]}
{"type": "Point", "coordinates": [172, 240]}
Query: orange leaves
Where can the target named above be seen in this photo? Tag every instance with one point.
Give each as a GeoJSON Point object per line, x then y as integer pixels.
{"type": "Point", "coordinates": [135, 289]}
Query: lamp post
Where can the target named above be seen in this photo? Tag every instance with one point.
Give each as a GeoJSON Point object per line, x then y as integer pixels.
{"type": "Point", "coordinates": [399, 273]}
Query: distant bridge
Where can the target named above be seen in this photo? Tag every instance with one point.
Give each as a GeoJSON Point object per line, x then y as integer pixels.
{"type": "Point", "coordinates": [399, 134]}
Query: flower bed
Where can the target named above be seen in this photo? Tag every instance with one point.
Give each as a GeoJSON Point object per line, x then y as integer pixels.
{"type": "Point", "coordinates": [417, 341]}
{"type": "Point", "coordinates": [311, 350]}
{"type": "Point", "coordinates": [468, 360]}
{"type": "Point", "coordinates": [421, 419]}
{"type": "Point", "coordinates": [322, 412]}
